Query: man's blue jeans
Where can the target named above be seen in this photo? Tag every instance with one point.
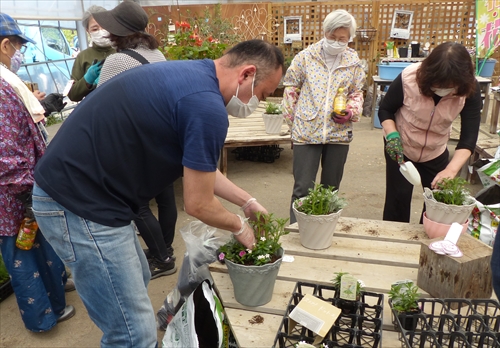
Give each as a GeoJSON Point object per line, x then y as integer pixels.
{"type": "Point", "coordinates": [109, 268]}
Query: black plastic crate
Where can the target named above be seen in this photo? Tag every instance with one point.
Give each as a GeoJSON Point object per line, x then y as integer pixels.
{"type": "Point", "coordinates": [457, 323]}
{"type": "Point", "coordinates": [359, 327]}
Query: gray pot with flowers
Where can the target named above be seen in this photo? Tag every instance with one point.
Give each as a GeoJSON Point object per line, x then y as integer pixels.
{"type": "Point", "coordinates": [253, 272]}
{"type": "Point", "coordinates": [317, 215]}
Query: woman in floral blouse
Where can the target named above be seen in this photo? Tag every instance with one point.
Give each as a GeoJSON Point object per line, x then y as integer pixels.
{"type": "Point", "coordinates": [311, 83]}
{"type": "Point", "coordinates": [37, 275]}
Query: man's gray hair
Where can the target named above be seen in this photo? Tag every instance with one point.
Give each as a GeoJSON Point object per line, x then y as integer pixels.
{"type": "Point", "coordinates": [88, 14]}
{"type": "Point", "coordinates": [340, 19]}
{"type": "Point", "coordinates": [266, 57]}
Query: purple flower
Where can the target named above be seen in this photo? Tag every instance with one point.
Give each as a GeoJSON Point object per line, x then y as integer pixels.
{"type": "Point", "coordinates": [242, 253]}
{"type": "Point", "coordinates": [221, 256]}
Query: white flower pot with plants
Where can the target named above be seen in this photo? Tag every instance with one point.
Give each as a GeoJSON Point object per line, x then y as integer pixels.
{"type": "Point", "coordinates": [450, 203]}
{"type": "Point", "coordinates": [253, 272]}
{"type": "Point", "coordinates": [273, 118]}
{"type": "Point", "coordinates": [317, 215]}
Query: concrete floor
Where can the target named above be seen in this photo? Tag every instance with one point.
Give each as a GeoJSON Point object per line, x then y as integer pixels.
{"type": "Point", "coordinates": [363, 186]}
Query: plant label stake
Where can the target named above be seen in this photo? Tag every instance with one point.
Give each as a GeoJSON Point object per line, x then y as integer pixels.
{"type": "Point", "coordinates": [448, 246]}
{"type": "Point", "coordinates": [348, 285]}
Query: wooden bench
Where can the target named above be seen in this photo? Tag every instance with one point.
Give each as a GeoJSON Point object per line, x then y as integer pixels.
{"type": "Point", "coordinates": [377, 252]}
{"type": "Point", "coordinates": [250, 131]}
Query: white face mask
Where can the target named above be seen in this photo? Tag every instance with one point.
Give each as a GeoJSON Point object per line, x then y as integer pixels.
{"type": "Point", "coordinates": [442, 92]}
{"type": "Point", "coordinates": [333, 47]}
{"type": "Point", "coordinates": [98, 37]}
{"type": "Point", "coordinates": [237, 108]}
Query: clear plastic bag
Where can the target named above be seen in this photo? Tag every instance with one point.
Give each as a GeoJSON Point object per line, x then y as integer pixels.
{"type": "Point", "coordinates": [202, 242]}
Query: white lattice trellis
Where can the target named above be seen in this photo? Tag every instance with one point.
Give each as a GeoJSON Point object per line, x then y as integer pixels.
{"type": "Point", "coordinates": [255, 23]}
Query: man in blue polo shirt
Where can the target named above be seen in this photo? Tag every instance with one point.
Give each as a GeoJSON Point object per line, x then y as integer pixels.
{"type": "Point", "coordinates": [123, 145]}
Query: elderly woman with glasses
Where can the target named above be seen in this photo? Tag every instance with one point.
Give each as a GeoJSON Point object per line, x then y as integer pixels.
{"type": "Point", "coordinates": [311, 83]}
{"type": "Point", "coordinates": [37, 275]}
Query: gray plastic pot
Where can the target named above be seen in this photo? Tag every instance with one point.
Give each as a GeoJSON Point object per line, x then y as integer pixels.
{"type": "Point", "coordinates": [253, 285]}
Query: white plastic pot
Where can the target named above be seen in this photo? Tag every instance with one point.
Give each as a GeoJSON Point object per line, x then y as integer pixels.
{"type": "Point", "coordinates": [273, 123]}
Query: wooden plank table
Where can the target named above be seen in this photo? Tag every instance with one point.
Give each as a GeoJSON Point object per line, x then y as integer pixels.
{"type": "Point", "coordinates": [250, 131]}
{"type": "Point", "coordinates": [377, 252]}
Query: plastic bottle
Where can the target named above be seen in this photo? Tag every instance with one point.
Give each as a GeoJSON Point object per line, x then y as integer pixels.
{"type": "Point", "coordinates": [409, 51]}
{"type": "Point", "coordinates": [340, 102]}
{"type": "Point", "coordinates": [27, 234]}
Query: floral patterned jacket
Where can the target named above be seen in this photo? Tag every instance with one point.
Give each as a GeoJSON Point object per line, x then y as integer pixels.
{"type": "Point", "coordinates": [310, 89]}
{"type": "Point", "coordinates": [21, 146]}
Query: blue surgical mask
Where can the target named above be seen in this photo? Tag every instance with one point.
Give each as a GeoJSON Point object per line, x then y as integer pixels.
{"type": "Point", "coordinates": [237, 108]}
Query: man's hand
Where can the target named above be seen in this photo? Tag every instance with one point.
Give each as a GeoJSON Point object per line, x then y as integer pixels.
{"type": "Point", "coordinates": [394, 147]}
{"type": "Point", "coordinates": [53, 103]}
{"type": "Point", "coordinates": [343, 117]}
{"type": "Point", "coordinates": [246, 237]}
{"type": "Point", "coordinates": [93, 72]}
{"type": "Point", "coordinates": [251, 208]}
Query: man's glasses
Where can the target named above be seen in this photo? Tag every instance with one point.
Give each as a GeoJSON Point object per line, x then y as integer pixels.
{"type": "Point", "coordinates": [22, 49]}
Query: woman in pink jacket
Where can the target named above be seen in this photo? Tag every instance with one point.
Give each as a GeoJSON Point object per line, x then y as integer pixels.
{"type": "Point", "coordinates": [417, 114]}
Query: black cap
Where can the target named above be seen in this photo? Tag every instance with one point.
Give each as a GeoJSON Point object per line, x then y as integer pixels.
{"type": "Point", "coordinates": [125, 19]}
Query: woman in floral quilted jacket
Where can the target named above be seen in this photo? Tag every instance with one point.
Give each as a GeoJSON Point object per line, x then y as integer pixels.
{"type": "Point", "coordinates": [311, 83]}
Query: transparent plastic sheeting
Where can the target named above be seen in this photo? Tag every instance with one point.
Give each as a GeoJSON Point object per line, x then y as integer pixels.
{"type": "Point", "coordinates": [67, 10]}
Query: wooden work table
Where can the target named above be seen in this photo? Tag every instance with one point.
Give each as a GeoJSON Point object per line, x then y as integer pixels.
{"type": "Point", "coordinates": [250, 131]}
{"type": "Point", "coordinates": [377, 252]}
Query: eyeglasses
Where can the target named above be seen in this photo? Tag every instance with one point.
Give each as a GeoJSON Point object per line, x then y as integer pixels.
{"type": "Point", "coordinates": [22, 49]}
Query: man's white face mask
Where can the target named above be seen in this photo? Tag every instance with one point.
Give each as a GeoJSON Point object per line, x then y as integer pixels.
{"type": "Point", "coordinates": [237, 108]}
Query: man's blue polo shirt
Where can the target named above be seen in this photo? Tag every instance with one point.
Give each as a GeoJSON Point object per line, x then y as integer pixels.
{"type": "Point", "coordinates": [132, 136]}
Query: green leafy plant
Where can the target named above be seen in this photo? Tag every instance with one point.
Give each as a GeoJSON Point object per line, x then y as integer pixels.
{"type": "Point", "coordinates": [320, 201]}
{"type": "Point", "coordinates": [273, 108]}
{"type": "Point", "coordinates": [52, 119]}
{"type": "Point", "coordinates": [4, 275]}
{"type": "Point", "coordinates": [404, 297]}
{"type": "Point", "coordinates": [267, 230]}
{"type": "Point", "coordinates": [360, 286]}
{"type": "Point", "coordinates": [452, 191]}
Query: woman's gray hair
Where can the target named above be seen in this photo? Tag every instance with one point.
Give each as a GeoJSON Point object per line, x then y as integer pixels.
{"type": "Point", "coordinates": [88, 14]}
{"type": "Point", "coordinates": [340, 19]}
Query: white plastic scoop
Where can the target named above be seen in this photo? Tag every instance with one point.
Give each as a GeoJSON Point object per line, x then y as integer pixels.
{"type": "Point", "coordinates": [410, 173]}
